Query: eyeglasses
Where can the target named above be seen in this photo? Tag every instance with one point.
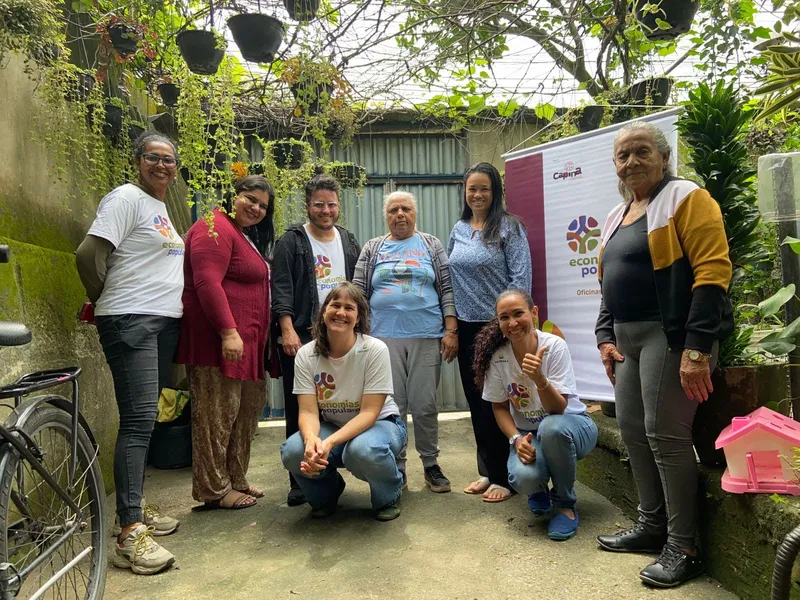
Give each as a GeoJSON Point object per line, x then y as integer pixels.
{"type": "Point", "coordinates": [322, 205]}
{"type": "Point", "coordinates": [154, 159]}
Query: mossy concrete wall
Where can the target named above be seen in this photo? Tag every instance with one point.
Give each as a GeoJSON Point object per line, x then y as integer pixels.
{"type": "Point", "coordinates": [739, 534]}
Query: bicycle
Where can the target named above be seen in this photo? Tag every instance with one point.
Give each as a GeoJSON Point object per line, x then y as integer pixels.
{"type": "Point", "coordinates": [53, 525]}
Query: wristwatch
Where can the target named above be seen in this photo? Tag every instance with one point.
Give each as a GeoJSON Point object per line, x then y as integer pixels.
{"type": "Point", "coordinates": [512, 441]}
{"type": "Point", "coordinates": [697, 356]}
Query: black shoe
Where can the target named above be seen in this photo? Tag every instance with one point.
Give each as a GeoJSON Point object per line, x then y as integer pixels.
{"type": "Point", "coordinates": [672, 568]}
{"type": "Point", "coordinates": [328, 509]}
{"type": "Point", "coordinates": [295, 497]}
{"type": "Point", "coordinates": [435, 479]}
{"type": "Point", "coordinates": [635, 539]}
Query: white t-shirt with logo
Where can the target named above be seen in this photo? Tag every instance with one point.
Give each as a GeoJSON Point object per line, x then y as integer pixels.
{"type": "Point", "coordinates": [505, 381]}
{"type": "Point", "coordinates": [340, 383]}
{"type": "Point", "coordinates": [329, 267]}
{"type": "Point", "coordinates": [145, 271]}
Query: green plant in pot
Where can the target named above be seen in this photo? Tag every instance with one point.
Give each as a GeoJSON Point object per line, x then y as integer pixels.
{"type": "Point", "coordinates": [289, 183]}
{"type": "Point", "coordinates": [714, 126]}
{"type": "Point", "coordinates": [348, 174]}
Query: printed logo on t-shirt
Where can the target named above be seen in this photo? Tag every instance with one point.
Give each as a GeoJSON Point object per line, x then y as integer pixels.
{"type": "Point", "coordinates": [322, 266]}
{"type": "Point", "coordinates": [163, 227]}
{"type": "Point", "coordinates": [518, 395]}
{"type": "Point", "coordinates": [324, 384]}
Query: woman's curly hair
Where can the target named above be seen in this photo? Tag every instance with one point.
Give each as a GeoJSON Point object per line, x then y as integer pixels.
{"type": "Point", "coordinates": [490, 338]}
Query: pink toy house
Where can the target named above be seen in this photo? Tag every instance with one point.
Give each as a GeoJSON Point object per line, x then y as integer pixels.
{"type": "Point", "coordinates": [759, 449]}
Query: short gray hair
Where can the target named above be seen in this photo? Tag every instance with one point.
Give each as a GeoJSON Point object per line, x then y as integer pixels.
{"type": "Point", "coordinates": [399, 195]}
{"type": "Point", "coordinates": [661, 144]}
{"type": "Point", "coordinates": [151, 137]}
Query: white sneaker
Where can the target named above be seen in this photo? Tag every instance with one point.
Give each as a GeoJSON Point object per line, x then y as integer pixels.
{"type": "Point", "coordinates": [139, 553]}
{"type": "Point", "coordinates": [161, 523]}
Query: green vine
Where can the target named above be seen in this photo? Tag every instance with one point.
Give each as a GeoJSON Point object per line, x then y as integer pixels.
{"type": "Point", "coordinates": [289, 184]}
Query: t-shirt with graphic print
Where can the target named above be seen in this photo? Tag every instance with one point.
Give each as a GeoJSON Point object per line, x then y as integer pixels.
{"type": "Point", "coordinates": [506, 381]}
{"type": "Point", "coordinates": [404, 302]}
{"type": "Point", "coordinates": [339, 383]}
{"type": "Point", "coordinates": [145, 271]}
{"type": "Point", "coordinates": [329, 267]}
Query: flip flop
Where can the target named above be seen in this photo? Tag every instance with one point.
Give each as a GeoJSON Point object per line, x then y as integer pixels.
{"type": "Point", "coordinates": [471, 490]}
{"type": "Point", "coordinates": [242, 502]}
{"type": "Point", "coordinates": [253, 491]}
{"type": "Point", "coordinates": [494, 486]}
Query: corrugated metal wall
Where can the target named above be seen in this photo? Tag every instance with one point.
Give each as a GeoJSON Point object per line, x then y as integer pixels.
{"type": "Point", "coordinates": [428, 166]}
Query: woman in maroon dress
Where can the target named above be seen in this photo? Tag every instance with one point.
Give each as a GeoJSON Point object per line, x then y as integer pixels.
{"type": "Point", "coordinates": [223, 336]}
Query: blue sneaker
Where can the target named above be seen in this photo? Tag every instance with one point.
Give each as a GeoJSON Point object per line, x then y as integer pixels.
{"type": "Point", "coordinates": [561, 527]}
{"type": "Point", "coordinates": [539, 503]}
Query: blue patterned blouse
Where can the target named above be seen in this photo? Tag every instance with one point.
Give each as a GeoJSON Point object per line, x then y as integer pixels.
{"type": "Point", "coordinates": [480, 272]}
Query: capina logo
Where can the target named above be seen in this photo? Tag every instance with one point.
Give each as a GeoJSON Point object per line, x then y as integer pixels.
{"type": "Point", "coordinates": [570, 170]}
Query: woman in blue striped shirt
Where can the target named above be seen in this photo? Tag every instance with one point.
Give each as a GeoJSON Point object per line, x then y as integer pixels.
{"type": "Point", "coordinates": [489, 253]}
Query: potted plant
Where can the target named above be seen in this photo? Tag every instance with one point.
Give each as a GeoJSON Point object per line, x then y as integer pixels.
{"type": "Point", "coordinates": [258, 36]}
{"type": "Point", "coordinates": [665, 19]}
{"type": "Point", "coordinates": [168, 91]}
{"type": "Point", "coordinates": [302, 10]}
{"type": "Point", "coordinates": [289, 154]}
{"type": "Point", "coordinates": [125, 37]}
{"type": "Point", "coordinates": [80, 86]}
{"type": "Point", "coordinates": [114, 114]}
{"type": "Point", "coordinates": [714, 127]}
{"type": "Point", "coordinates": [590, 118]}
{"type": "Point", "coordinates": [312, 82]}
{"type": "Point", "coordinates": [202, 50]}
{"type": "Point", "coordinates": [349, 175]}
{"type": "Point", "coordinates": [654, 91]}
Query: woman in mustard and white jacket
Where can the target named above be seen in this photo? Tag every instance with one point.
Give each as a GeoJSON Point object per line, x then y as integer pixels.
{"type": "Point", "coordinates": [667, 242]}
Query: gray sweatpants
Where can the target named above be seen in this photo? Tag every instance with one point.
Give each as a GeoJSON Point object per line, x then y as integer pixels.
{"type": "Point", "coordinates": [655, 418]}
{"type": "Point", "coordinates": [416, 369]}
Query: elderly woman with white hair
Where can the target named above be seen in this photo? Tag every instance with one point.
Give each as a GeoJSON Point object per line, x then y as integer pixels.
{"type": "Point", "coordinates": [667, 241]}
{"type": "Point", "coordinates": [406, 278]}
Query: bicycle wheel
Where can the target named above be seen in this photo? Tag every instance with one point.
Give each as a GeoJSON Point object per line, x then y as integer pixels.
{"type": "Point", "coordinates": [33, 516]}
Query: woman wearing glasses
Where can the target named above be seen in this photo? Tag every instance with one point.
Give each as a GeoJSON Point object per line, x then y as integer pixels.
{"type": "Point", "coordinates": [131, 264]}
{"type": "Point", "coordinates": [223, 336]}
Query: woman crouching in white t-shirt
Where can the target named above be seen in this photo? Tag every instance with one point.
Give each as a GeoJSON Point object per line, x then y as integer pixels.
{"type": "Point", "coordinates": [527, 375]}
{"type": "Point", "coordinates": [345, 376]}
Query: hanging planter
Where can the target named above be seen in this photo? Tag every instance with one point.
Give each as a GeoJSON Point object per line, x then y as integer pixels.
{"type": "Point", "coordinates": [678, 13]}
{"type": "Point", "coordinates": [302, 10]}
{"type": "Point", "coordinates": [199, 49]}
{"type": "Point", "coordinates": [654, 91]}
{"type": "Point", "coordinates": [350, 175]}
{"type": "Point", "coordinates": [169, 93]}
{"type": "Point", "coordinates": [258, 36]}
{"type": "Point", "coordinates": [124, 38]}
{"type": "Point", "coordinates": [81, 88]}
{"type": "Point", "coordinates": [287, 154]}
{"type": "Point", "coordinates": [134, 131]}
{"type": "Point", "coordinates": [590, 118]}
{"type": "Point", "coordinates": [311, 96]}
{"type": "Point", "coordinates": [112, 126]}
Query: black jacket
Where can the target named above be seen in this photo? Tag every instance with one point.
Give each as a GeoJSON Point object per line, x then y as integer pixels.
{"type": "Point", "coordinates": [294, 286]}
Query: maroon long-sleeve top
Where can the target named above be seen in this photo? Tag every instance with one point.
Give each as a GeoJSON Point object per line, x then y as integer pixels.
{"type": "Point", "coordinates": [226, 286]}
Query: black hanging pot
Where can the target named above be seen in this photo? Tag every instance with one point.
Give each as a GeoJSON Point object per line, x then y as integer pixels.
{"type": "Point", "coordinates": [80, 89]}
{"type": "Point", "coordinates": [657, 89]}
{"type": "Point", "coordinates": [310, 95]}
{"type": "Point", "coordinates": [302, 10]}
{"type": "Point", "coordinates": [258, 36]}
{"type": "Point", "coordinates": [348, 174]}
{"type": "Point", "coordinates": [164, 123]}
{"type": "Point", "coordinates": [199, 50]}
{"type": "Point", "coordinates": [134, 131]}
{"type": "Point", "coordinates": [590, 118]}
{"type": "Point", "coordinates": [124, 38]}
{"type": "Point", "coordinates": [287, 155]}
{"type": "Point", "coordinates": [112, 126]}
{"type": "Point", "coordinates": [169, 93]}
{"type": "Point", "coordinates": [678, 13]}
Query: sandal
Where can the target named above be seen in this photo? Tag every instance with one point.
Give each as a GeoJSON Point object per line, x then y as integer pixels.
{"type": "Point", "coordinates": [253, 491]}
{"type": "Point", "coordinates": [243, 501]}
{"type": "Point", "coordinates": [479, 486]}
{"type": "Point", "coordinates": [494, 487]}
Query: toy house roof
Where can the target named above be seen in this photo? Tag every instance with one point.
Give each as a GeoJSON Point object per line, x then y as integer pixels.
{"type": "Point", "coordinates": [762, 419]}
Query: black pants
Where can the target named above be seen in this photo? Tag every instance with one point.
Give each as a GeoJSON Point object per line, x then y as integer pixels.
{"type": "Point", "coordinates": [492, 443]}
{"type": "Point", "coordinates": [290, 406]}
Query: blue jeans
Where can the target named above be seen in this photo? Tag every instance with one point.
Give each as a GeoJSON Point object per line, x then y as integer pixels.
{"type": "Point", "coordinates": [139, 350]}
{"type": "Point", "coordinates": [560, 442]}
{"type": "Point", "coordinates": [370, 456]}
